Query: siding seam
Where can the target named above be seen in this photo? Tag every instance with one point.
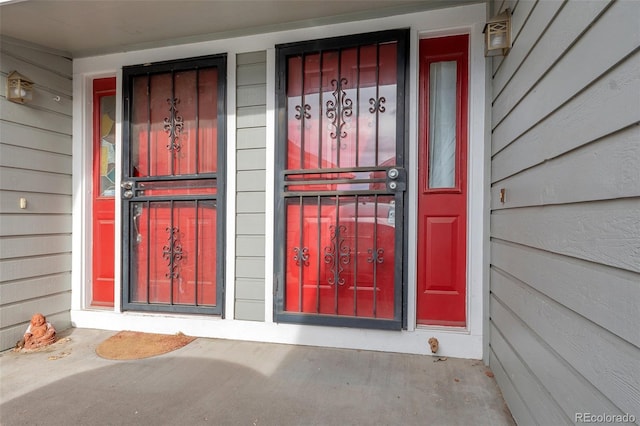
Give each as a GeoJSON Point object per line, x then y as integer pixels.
{"type": "Point", "coordinates": [31, 299]}
{"type": "Point", "coordinates": [51, 111]}
{"type": "Point", "coordinates": [37, 65]}
{"type": "Point", "coordinates": [36, 170]}
{"type": "Point", "coordinates": [28, 127]}
{"type": "Point", "coordinates": [563, 203]}
{"type": "Point", "coordinates": [547, 299]}
{"type": "Point", "coordinates": [508, 377]}
{"type": "Point", "coordinates": [565, 256]}
{"type": "Point", "coordinates": [545, 345]}
{"type": "Point", "coordinates": [43, 129]}
{"type": "Point", "coordinates": [570, 151]}
{"type": "Point", "coordinates": [527, 367]}
{"type": "Point", "coordinates": [565, 102]}
{"type": "Point", "coordinates": [552, 65]}
{"type": "Point", "coordinates": [46, 151]}
{"type": "Point", "coordinates": [514, 42]}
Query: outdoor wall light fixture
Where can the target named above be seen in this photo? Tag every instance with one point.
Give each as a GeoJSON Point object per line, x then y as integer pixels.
{"type": "Point", "coordinates": [497, 34]}
{"type": "Point", "coordinates": [19, 88]}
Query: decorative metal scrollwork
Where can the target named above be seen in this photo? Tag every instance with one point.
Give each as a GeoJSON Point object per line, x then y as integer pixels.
{"type": "Point", "coordinates": [337, 254]}
{"type": "Point", "coordinates": [375, 256]}
{"type": "Point", "coordinates": [303, 115]}
{"type": "Point", "coordinates": [377, 105]}
{"type": "Point", "coordinates": [301, 256]}
{"type": "Point", "coordinates": [339, 110]}
{"type": "Point", "coordinates": [173, 125]}
{"type": "Point", "coordinates": [303, 112]}
{"type": "Point", "coordinates": [172, 253]}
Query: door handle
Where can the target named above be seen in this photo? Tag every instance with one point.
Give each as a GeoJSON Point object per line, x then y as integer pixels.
{"type": "Point", "coordinates": [137, 212]}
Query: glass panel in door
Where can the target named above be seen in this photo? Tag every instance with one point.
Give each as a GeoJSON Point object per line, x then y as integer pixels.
{"type": "Point", "coordinates": [443, 122]}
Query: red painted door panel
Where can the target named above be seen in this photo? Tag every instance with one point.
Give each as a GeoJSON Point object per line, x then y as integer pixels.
{"type": "Point", "coordinates": [342, 256]}
{"type": "Point", "coordinates": [174, 253]}
{"type": "Point", "coordinates": [103, 206]}
{"type": "Point", "coordinates": [442, 202]}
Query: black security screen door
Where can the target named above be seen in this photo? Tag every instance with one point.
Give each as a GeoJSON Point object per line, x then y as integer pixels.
{"type": "Point", "coordinates": [173, 186]}
{"type": "Point", "coordinates": [341, 181]}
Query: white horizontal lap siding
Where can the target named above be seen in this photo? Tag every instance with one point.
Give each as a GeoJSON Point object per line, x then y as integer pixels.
{"type": "Point", "coordinates": [607, 41]}
{"type": "Point", "coordinates": [612, 95]}
{"type": "Point", "coordinates": [604, 232]}
{"type": "Point", "coordinates": [251, 95]}
{"type": "Point", "coordinates": [565, 244]}
{"type": "Point", "coordinates": [35, 165]}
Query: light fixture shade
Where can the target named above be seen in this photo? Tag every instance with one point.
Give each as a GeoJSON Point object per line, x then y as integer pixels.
{"type": "Point", "coordinates": [497, 34]}
{"type": "Point", "coordinates": [19, 88]}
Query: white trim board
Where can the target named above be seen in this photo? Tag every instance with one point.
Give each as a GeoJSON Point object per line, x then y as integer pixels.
{"type": "Point", "coordinates": [460, 345]}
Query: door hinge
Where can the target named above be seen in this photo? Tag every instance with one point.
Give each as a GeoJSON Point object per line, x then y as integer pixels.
{"type": "Point", "coordinates": [280, 80]}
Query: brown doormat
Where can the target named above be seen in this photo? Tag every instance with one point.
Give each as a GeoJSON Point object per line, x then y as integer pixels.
{"type": "Point", "coordinates": [136, 345]}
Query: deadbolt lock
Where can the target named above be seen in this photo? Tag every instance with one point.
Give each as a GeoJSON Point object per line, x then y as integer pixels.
{"type": "Point", "coordinates": [128, 189]}
{"type": "Point", "coordinates": [396, 179]}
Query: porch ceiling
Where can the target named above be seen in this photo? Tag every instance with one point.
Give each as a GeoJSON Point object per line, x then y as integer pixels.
{"type": "Point", "coordinates": [85, 28]}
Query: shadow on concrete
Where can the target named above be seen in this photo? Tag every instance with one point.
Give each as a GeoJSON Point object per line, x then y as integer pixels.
{"type": "Point", "coordinates": [152, 391]}
{"type": "Point", "coordinates": [245, 383]}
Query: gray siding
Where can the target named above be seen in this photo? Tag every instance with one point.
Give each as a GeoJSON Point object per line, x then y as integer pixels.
{"type": "Point", "coordinates": [36, 164]}
{"type": "Point", "coordinates": [565, 246]}
{"type": "Point", "coordinates": [251, 111]}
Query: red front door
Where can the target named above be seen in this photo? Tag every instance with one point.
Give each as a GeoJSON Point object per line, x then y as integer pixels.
{"type": "Point", "coordinates": [442, 187]}
{"type": "Point", "coordinates": [173, 187]}
{"type": "Point", "coordinates": [341, 181]}
{"type": "Point", "coordinates": [104, 154]}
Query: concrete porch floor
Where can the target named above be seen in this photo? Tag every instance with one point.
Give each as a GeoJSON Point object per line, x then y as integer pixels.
{"type": "Point", "coordinates": [224, 382]}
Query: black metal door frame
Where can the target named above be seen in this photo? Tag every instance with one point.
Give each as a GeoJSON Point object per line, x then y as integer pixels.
{"type": "Point", "coordinates": [134, 184]}
{"type": "Point", "coordinates": [395, 181]}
